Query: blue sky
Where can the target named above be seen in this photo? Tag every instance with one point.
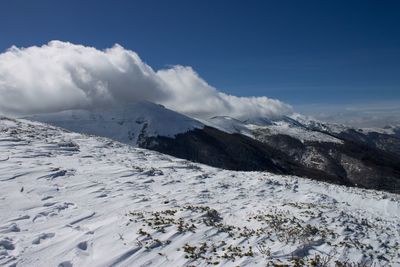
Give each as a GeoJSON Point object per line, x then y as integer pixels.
{"type": "Point", "coordinates": [301, 52]}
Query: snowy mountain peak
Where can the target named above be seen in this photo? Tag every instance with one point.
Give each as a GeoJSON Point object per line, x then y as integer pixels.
{"type": "Point", "coordinates": [228, 124]}
{"type": "Point", "coordinates": [126, 123]}
{"type": "Point", "coordinates": [259, 121]}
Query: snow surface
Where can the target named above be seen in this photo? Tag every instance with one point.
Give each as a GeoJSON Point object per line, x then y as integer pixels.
{"type": "Point", "coordinates": [302, 134]}
{"type": "Point", "coordinates": [125, 123]}
{"type": "Point", "coordinates": [229, 125]}
{"type": "Point", "coordinates": [339, 128]}
{"type": "Point", "coordinates": [68, 199]}
{"type": "Point", "coordinates": [317, 124]}
{"type": "Point", "coordinates": [388, 130]}
{"type": "Point", "coordinates": [284, 126]}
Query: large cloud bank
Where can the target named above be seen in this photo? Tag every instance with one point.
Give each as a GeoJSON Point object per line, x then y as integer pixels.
{"type": "Point", "coordinates": [60, 76]}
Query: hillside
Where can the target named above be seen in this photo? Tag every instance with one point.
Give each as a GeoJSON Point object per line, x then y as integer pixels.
{"type": "Point", "coordinates": [286, 145]}
{"type": "Point", "coordinates": [69, 199]}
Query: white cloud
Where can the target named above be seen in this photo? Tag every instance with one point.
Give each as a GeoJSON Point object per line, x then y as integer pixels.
{"type": "Point", "coordinates": [375, 114]}
{"type": "Point", "coordinates": [61, 75]}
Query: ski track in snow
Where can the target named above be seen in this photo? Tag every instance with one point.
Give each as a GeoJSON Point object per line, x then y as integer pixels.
{"type": "Point", "coordinates": [68, 199]}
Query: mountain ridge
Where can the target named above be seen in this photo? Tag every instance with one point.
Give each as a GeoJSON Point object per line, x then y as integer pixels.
{"type": "Point", "coordinates": [301, 147]}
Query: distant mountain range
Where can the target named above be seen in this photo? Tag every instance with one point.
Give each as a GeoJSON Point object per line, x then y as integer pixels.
{"type": "Point", "coordinates": [293, 145]}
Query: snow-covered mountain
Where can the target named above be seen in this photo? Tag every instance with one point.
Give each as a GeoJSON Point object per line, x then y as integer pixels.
{"type": "Point", "coordinates": [68, 199]}
{"type": "Point", "coordinates": [283, 126]}
{"type": "Point", "coordinates": [152, 126]}
{"type": "Point", "coordinates": [229, 125]}
{"type": "Point", "coordinates": [289, 145]}
{"type": "Point", "coordinates": [387, 139]}
{"type": "Point", "coordinates": [367, 158]}
{"type": "Point", "coordinates": [126, 124]}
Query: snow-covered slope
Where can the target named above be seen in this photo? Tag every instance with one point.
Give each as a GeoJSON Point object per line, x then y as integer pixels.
{"type": "Point", "coordinates": [296, 125]}
{"type": "Point", "coordinates": [283, 126]}
{"type": "Point", "coordinates": [125, 124]}
{"type": "Point", "coordinates": [295, 146]}
{"type": "Point", "coordinates": [335, 128]}
{"type": "Point", "coordinates": [391, 130]}
{"type": "Point", "coordinates": [300, 133]}
{"type": "Point", "coordinates": [68, 199]}
{"type": "Point", "coordinates": [228, 125]}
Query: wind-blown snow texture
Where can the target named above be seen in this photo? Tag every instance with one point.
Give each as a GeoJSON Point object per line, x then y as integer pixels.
{"type": "Point", "coordinates": [68, 199]}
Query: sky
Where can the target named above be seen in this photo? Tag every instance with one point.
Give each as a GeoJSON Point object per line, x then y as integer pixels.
{"type": "Point", "coordinates": [320, 57]}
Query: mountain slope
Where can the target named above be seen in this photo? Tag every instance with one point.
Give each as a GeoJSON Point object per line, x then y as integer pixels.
{"type": "Point", "coordinates": [127, 123]}
{"type": "Point", "coordinates": [387, 139]}
{"type": "Point", "coordinates": [284, 146]}
{"type": "Point", "coordinates": [347, 156]}
{"type": "Point", "coordinates": [148, 125]}
{"type": "Point", "coordinates": [72, 200]}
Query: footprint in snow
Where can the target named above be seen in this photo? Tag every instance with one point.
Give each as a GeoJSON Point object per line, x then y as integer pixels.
{"type": "Point", "coordinates": [83, 245]}
{"type": "Point", "coordinates": [65, 264]}
{"type": "Point", "coordinates": [49, 204]}
{"type": "Point", "coordinates": [13, 227]}
{"type": "Point", "coordinates": [46, 198]}
{"type": "Point", "coordinates": [41, 237]}
{"type": "Point", "coordinates": [7, 243]}
{"type": "Point", "coordinates": [57, 172]}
